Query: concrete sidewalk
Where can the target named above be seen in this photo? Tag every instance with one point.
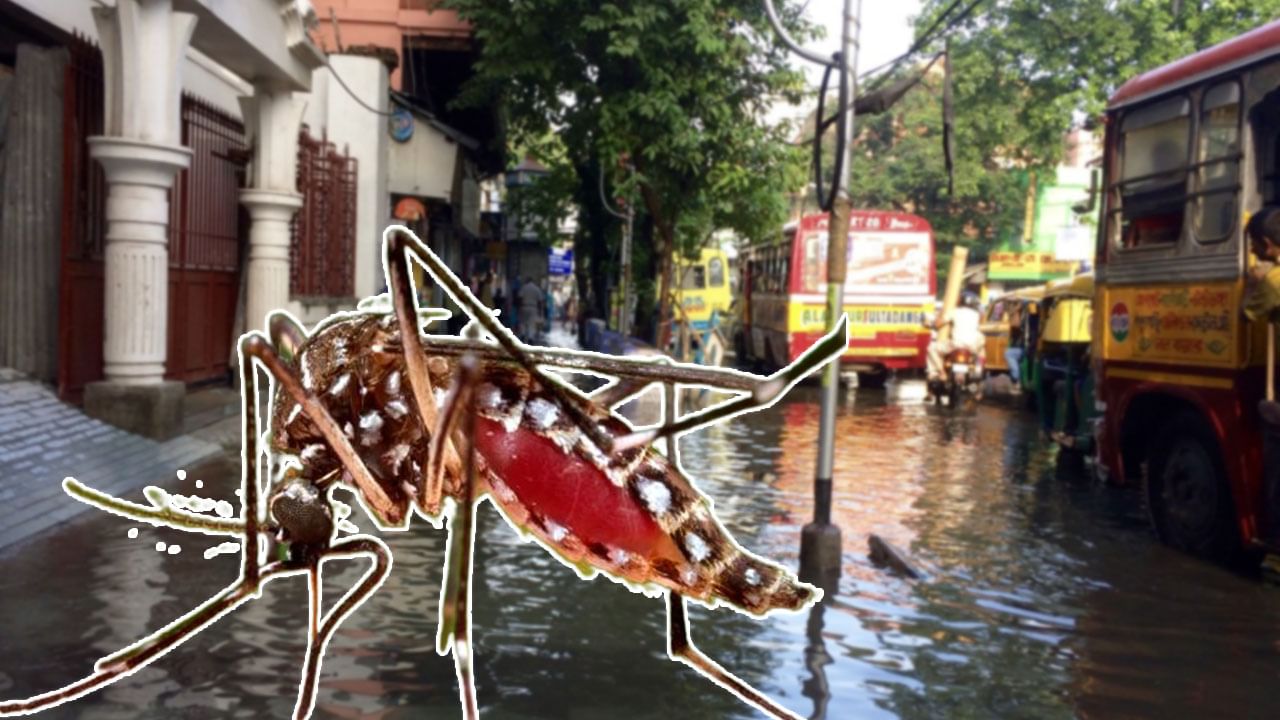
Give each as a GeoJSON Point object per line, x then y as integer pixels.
{"type": "Point", "coordinates": [43, 440]}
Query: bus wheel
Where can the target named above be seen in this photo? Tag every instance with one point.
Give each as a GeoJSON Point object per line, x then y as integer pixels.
{"type": "Point", "coordinates": [873, 379]}
{"type": "Point", "coordinates": [1191, 504]}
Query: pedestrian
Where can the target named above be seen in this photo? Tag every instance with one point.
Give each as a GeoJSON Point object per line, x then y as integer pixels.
{"type": "Point", "coordinates": [486, 288]}
{"type": "Point", "coordinates": [531, 300]}
{"type": "Point", "coordinates": [1263, 295]}
{"type": "Point", "coordinates": [500, 304]}
{"type": "Point", "coordinates": [1013, 353]}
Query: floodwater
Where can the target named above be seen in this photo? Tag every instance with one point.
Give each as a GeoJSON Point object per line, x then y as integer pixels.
{"type": "Point", "coordinates": [1045, 596]}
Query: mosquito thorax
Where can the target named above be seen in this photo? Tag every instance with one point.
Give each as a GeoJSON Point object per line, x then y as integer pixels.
{"type": "Point", "coordinates": [302, 512]}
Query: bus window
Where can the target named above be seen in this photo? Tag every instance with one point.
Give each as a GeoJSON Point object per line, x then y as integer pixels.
{"type": "Point", "coordinates": [694, 278]}
{"type": "Point", "coordinates": [1218, 174]}
{"type": "Point", "coordinates": [1152, 189]}
{"type": "Point", "coordinates": [715, 272]}
{"type": "Point", "coordinates": [814, 258]}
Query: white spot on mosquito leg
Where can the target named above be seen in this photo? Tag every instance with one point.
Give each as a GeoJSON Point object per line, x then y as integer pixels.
{"type": "Point", "coordinates": [768, 390]}
{"type": "Point", "coordinates": [224, 509]}
{"type": "Point", "coordinates": [697, 547]}
{"type": "Point", "coordinates": [182, 474]}
{"type": "Point", "coordinates": [133, 533]}
{"type": "Point", "coordinates": [161, 546]}
{"type": "Point", "coordinates": [199, 484]}
{"type": "Point", "coordinates": [175, 549]}
{"type": "Point", "coordinates": [656, 496]}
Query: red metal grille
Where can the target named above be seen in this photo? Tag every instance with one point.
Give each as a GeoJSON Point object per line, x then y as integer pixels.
{"type": "Point", "coordinates": [205, 244]}
{"type": "Point", "coordinates": [323, 245]}
{"type": "Point", "coordinates": [84, 192]}
{"type": "Point", "coordinates": [204, 212]}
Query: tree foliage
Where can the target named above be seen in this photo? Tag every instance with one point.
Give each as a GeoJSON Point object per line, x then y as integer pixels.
{"type": "Point", "coordinates": [1026, 70]}
{"type": "Point", "coordinates": [1024, 73]}
{"type": "Point", "coordinates": [680, 87]}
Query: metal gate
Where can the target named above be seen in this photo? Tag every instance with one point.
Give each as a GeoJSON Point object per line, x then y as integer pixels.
{"type": "Point", "coordinates": [207, 227]}
{"type": "Point", "coordinates": [84, 191]}
{"type": "Point", "coordinates": [206, 230]}
{"type": "Point", "coordinates": [322, 250]}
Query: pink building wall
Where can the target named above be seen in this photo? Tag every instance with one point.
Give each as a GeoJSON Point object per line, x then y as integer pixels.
{"type": "Point", "coordinates": [386, 22]}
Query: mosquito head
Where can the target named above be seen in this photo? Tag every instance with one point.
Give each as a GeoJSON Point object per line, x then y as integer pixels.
{"type": "Point", "coordinates": [302, 512]}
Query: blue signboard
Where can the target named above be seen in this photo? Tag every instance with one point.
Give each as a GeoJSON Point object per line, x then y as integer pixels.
{"type": "Point", "coordinates": [560, 262]}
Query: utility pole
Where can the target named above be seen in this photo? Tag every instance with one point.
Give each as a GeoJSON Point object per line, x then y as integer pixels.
{"type": "Point", "coordinates": [820, 542]}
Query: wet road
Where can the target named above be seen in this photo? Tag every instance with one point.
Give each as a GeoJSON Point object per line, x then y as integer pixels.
{"type": "Point", "coordinates": [1045, 597]}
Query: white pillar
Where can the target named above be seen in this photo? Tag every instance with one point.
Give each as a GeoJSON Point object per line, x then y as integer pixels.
{"type": "Point", "coordinates": [272, 120]}
{"type": "Point", "coordinates": [364, 134]}
{"type": "Point", "coordinates": [143, 46]}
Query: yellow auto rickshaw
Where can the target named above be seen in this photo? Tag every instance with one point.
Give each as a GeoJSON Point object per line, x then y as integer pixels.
{"type": "Point", "coordinates": [1022, 303]}
{"type": "Point", "coordinates": [1064, 386]}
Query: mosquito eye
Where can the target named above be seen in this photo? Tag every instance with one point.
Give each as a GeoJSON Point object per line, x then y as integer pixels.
{"type": "Point", "coordinates": [301, 510]}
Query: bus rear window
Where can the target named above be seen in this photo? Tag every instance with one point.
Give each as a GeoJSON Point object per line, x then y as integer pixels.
{"type": "Point", "coordinates": [1218, 163]}
{"type": "Point", "coordinates": [1152, 192]}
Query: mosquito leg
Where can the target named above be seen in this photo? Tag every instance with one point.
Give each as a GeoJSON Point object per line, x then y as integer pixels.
{"type": "Point", "coordinates": [455, 598]}
{"type": "Point", "coordinates": [250, 455]}
{"type": "Point", "coordinates": [287, 335]}
{"type": "Point", "coordinates": [256, 346]}
{"type": "Point", "coordinates": [681, 649]}
{"type": "Point", "coordinates": [399, 240]}
{"type": "Point", "coordinates": [433, 478]}
{"type": "Point", "coordinates": [671, 409]}
{"type": "Point", "coordinates": [611, 396]}
{"type": "Point", "coordinates": [142, 653]}
{"type": "Point", "coordinates": [764, 395]}
{"type": "Point", "coordinates": [322, 630]}
{"type": "Point", "coordinates": [400, 282]}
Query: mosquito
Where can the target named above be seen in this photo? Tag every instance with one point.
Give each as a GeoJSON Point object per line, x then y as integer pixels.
{"type": "Point", "coordinates": [434, 425]}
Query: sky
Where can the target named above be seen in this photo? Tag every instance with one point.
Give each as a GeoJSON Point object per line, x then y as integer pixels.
{"type": "Point", "coordinates": [886, 32]}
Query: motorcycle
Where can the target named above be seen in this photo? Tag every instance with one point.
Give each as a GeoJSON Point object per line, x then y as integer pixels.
{"type": "Point", "coordinates": [961, 373]}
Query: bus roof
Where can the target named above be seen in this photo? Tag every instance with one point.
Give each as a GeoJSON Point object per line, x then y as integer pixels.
{"type": "Point", "coordinates": [1078, 286]}
{"type": "Point", "coordinates": [1245, 49]}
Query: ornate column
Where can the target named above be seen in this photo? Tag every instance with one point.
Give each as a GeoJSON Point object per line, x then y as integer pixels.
{"type": "Point", "coordinates": [273, 120]}
{"type": "Point", "coordinates": [143, 46]}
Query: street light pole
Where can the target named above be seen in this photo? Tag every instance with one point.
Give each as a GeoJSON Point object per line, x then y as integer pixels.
{"type": "Point", "coordinates": [820, 542]}
{"type": "Point", "coordinates": [820, 545]}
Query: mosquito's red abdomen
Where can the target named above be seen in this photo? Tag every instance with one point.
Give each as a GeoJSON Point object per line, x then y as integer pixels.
{"type": "Point", "coordinates": [568, 492]}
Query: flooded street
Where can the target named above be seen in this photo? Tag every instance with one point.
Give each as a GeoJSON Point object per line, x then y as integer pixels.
{"type": "Point", "coordinates": [1045, 596]}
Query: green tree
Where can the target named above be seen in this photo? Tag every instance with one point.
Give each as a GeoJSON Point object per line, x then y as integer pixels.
{"type": "Point", "coordinates": [678, 86]}
{"type": "Point", "coordinates": [1026, 70]}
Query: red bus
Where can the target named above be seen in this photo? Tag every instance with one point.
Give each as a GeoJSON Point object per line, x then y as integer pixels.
{"type": "Point", "coordinates": [1192, 149]}
{"type": "Point", "coordinates": [889, 290]}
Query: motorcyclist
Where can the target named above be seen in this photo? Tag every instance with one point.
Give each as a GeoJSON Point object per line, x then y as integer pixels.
{"type": "Point", "coordinates": [966, 333]}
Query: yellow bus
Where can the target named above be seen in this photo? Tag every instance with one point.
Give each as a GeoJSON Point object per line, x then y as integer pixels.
{"type": "Point", "coordinates": [702, 287]}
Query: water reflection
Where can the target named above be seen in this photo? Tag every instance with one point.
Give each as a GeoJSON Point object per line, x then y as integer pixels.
{"type": "Point", "coordinates": [1046, 597]}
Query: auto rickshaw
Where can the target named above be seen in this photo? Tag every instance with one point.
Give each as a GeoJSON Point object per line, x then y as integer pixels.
{"type": "Point", "coordinates": [995, 326]}
{"type": "Point", "coordinates": [1065, 382]}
